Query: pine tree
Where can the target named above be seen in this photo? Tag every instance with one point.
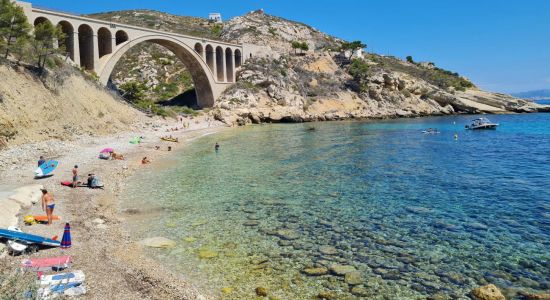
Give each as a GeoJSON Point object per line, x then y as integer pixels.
{"type": "Point", "coordinates": [14, 27]}
{"type": "Point", "coordinates": [45, 38]}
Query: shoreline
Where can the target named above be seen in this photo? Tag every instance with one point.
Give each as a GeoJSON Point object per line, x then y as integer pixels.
{"type": "Point", "coordinates": [122, 261]}
{"type": "Point", "coordinates": [102, 248]}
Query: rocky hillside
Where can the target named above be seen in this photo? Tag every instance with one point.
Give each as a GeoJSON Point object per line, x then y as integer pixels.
{"type": "Point", "coordinates": [294, 85]}
{"type": "Point", "coordinates": [62, 107]}
{"type": "Point", "coordinates": [276, 33]}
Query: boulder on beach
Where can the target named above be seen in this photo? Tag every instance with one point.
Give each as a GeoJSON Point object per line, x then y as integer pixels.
{"type": "Point", "coordinates": [487, 292]}
{"type": "Point", "coordinates": [8, 213]}
{"type": "Point", "coordinates": [158, 242]}
{"type": "Point", "coordinates": [28, 195]}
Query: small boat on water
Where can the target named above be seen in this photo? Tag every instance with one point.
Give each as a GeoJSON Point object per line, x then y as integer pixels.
{"type": "Point", "coordinates": [481, 123]}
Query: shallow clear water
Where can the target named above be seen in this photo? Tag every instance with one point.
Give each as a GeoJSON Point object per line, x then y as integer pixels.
{"type": "Point", "coordinates": [415, 214]}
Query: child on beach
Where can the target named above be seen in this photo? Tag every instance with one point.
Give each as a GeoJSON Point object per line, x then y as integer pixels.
{"type": "Point", "coordinates": [48, 204]}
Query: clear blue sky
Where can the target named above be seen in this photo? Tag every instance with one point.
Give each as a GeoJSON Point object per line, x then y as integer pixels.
{"type": "Point", "coordinates": [502, 45]}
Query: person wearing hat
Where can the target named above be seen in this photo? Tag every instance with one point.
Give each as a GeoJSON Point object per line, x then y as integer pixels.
{"type": "Point", "coordinates": [75, 176]}
{"type": "Point", "coordinates": [48, 204]}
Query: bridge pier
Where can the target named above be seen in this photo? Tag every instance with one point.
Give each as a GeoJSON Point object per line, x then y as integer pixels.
{"type": "Point", "coordinates": [76, 49]}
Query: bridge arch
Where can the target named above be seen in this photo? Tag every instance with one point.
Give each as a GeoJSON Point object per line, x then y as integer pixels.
{"type": "Point", "coordinates": [104, 41]}
{"type": "Point", "coordinates": [202, 76]}
{"type": "Point", "coordinates": [40, 20]}
{"type": "Point", "coordinates": [210, 57]}
{"type": "Point", "coordinates": [219, 63]}
{"type": "Point", "coordinates": [229, 64]}
{"type": "Point", "coordinates": [199, 49]}
{"type": "Point", "coordinates": [120, 37]}
{"type": "Point", "coordinates": [238, 58]}
{"type": "Point", "coordinates": [68, 43]}
{"type": "Point", "coordinates": [86, 46]}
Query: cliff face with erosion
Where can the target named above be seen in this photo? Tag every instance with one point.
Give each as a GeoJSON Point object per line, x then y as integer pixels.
{"type": "Point", "coordinates": [62, 107]}
{"type": "Point", "coordinates": [324, 84]}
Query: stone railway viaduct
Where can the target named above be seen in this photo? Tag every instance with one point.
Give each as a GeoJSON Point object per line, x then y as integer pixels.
{"type": "Point", "coordinates": [97, 45]}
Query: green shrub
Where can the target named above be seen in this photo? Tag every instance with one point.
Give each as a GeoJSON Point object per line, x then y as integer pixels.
{"type": "Point", "coordinates": [358, 68]}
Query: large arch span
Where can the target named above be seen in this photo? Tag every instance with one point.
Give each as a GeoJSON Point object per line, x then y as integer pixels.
{"type": "Point", "coordinates": [97, 45]}
{"type": "Point", "coordinates": [202, 77]}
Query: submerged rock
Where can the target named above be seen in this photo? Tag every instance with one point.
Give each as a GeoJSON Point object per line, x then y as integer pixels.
{"type": "Point", "coordinates": [287, 234]}
{"type": "Point", "coordinates": [418, 209]}
{"type": "Point", "coordinates": [327, 295]}
{"type": "Point", "coordinates": [530, 296]}
{"type": "Point", "coordinates": [227, 290]}
{"type": "Point", "coordinates": [261, 291]}
{"type": "Point", "coordinates": [251, 223]}
{"type": "Point", "coordinates": [158, 242]}
{"type": "Point", "coordinates": [328, 250]}
{"type": "Point", "coordinates": [315, 271]}
{"type": "Point", "coordinates": [341, 270]}
{"type": "Point", "coordinates": [207, 254]}
{"type": "Point", "coordinates": [353, 278]}
{"type": "Point", "coordinates": [360, 291]}
{"type": "Point", "coordinates": [487, 292]}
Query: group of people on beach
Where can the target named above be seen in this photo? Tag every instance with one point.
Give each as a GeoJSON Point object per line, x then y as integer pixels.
{"type": "Point", "coordinates": [48, 201]}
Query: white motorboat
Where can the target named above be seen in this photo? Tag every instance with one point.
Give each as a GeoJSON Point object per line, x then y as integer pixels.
{"type": "Point", "coordinates": [481, 123]}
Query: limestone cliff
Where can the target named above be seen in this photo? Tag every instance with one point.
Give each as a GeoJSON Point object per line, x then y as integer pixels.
{"type": "Point", "coordinates": [282, 84]}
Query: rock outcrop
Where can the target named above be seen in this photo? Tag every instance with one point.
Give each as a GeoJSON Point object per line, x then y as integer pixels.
{"type": "Point", "coordinates": [487, 292]}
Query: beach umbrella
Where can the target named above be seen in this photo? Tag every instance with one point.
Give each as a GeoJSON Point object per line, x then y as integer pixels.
{"type": "Point", "coordinates": [66, 239]}
{"type": "Point", "coordinates": [107, 150]}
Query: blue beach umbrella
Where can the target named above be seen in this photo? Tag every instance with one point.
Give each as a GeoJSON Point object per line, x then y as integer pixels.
{"type": "Point", "coordinates": [66, 240]}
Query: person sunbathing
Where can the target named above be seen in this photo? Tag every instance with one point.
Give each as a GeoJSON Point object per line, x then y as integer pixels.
{"type": "Point", "coordinates": [117, 156]}
{"type": "Point", "coordinates": [145, 161]}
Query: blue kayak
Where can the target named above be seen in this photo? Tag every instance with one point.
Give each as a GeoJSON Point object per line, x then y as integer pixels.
{"type": "Point", "coordinates": [46, 168]}
{"type": "Point", "coordinates": [26, 238]}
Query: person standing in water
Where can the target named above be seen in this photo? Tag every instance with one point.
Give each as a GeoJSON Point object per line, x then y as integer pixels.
{"type": "Point", "coordinates": [48, 204]}
{"type": "Point", "coordinates": [217, 147]}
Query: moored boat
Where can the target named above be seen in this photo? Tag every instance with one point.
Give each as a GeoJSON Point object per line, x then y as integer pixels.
{"type": "Point", "coordinates": [481, 123]}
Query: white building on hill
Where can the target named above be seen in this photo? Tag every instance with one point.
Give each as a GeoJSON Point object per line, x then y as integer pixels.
{"type": "Point", "coordinates": [214, 17]}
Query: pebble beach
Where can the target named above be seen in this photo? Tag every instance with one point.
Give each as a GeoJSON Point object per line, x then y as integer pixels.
{"type": "Point", "coordinates": [111, 259]}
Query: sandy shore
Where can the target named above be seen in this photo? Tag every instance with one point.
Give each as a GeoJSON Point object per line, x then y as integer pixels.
{"type": "Point", "coordinates": [112, 260]}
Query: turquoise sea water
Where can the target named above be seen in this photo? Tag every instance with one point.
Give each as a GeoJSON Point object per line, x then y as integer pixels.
{"type": "Point", "coordinates": [414, 214]}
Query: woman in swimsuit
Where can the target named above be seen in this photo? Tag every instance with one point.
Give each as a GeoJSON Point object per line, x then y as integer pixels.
{"type": "Point", "coordinates": [48, 204]}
